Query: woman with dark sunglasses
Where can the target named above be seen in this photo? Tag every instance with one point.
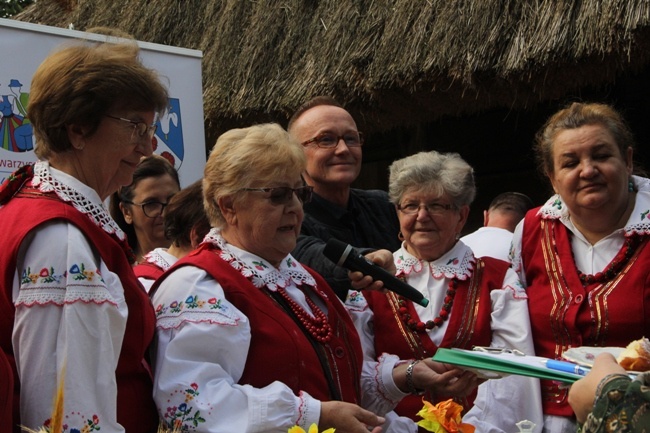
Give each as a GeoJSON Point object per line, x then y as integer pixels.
{"type": "Point", "coordinates": [250, 340]}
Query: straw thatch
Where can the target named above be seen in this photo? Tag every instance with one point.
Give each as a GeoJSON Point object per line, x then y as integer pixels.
{"type": "Point", "coordinates": [393, 63]}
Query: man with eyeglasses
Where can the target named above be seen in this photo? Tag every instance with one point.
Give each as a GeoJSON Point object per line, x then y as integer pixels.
{"type": "Point", "coordinates": [363, 218]}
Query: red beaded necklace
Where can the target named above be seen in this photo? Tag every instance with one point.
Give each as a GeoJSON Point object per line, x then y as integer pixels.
{"type": "Point", "coordinates": [316, 325]}
{"type": "Point", "coordinates": [442, 315]}
{"type": "Point", "coordinates": [615, 266]}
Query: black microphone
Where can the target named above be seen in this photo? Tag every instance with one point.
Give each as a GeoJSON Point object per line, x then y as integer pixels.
{"type": "Point", "coordinates": [344, 255]}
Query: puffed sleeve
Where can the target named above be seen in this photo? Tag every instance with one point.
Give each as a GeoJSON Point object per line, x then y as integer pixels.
{"type": "Point", "coordinates": [70, 321]}
{"type": "Point", "coordinates": [201, 349]}
{"type": "Point", "coordinates": [500, 403]}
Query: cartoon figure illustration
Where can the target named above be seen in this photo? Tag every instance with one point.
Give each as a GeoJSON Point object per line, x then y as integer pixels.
{"type": "Point", "coordinates": [168, 141]}
{"type": "Point", "coordinates": [24, 133]}
{"type": "Point", "coordinates": [11, 119]}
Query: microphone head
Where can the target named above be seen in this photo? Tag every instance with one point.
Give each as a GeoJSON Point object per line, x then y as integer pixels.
{"type": "Point", "coordinates": [334, 249]}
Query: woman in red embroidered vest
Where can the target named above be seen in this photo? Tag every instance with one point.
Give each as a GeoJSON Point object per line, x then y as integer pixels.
{"type": "Point", "coordinates": [583, 254]}
{"type": "Point", "coordinates": [71, 308]}
{"type": "Point", "coordinates": [248, 339]}
{"type": "Point", "coordinates": [185, 224]}
{"type": "Point", "coordinates": [473, 301]}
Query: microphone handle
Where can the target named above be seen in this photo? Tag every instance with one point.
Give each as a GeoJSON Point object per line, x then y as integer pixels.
{"type": "Point", "coordinates": [392, 283]}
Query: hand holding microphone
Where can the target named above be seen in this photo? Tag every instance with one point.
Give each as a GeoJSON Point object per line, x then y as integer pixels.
{"type": "Point", "coordinates": [346, 256]}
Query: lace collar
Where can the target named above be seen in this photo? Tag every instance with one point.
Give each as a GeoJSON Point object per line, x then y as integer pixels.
{"type": "Point", "coordinates": [73, 191]}
{"type": "Point", "coordinates": [159, 257]}
{"type": "Point", "coordinates": [260, 272]}
{"type": "Point", "coordinates": [456, 263]}
{"type": "Point", "coordinates": [639, 222]}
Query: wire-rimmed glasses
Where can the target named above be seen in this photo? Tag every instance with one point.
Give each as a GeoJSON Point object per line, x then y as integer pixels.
{"type": "Point", "coordinates": [141, 128]}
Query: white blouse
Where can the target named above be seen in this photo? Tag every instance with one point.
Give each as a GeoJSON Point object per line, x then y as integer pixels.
{"type": "Point", "coordinates": [70, 315]}
{"type": "Point", "coordinates": [201, 353]}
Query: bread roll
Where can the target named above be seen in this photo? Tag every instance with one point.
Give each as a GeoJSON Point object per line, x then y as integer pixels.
{"type": "Point", "coordinates": [636, 356]}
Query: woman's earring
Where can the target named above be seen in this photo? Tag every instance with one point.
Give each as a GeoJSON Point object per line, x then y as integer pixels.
{"type": "Point", "coordinates": [630, 185]}
{"type": "Point", "coordinates": [400, 236]}
{"type": "Point", "coordinates": [457, 236]}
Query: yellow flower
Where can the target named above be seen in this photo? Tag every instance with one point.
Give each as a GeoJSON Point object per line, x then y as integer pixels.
{"type": "Point", "coordinates": [444, 417]}
{"type": "Point", "coordinates": [312, 429]}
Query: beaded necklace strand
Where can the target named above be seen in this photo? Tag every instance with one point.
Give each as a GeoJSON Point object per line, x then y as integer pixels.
{"type": "Point", "coordinates": [318, 325]}
{"type": "Point", "coordinates": [620, 260]}
{"type": "Point", "coordinates": [442, 315]}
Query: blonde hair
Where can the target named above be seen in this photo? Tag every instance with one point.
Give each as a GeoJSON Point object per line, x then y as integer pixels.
{"type": "Point", "coordinates": [243, 157]}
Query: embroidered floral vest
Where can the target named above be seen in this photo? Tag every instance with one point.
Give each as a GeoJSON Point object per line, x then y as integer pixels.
{"type": "Point", "coordinates": [469, 324]}
{"type": "Point", "coordinates": [279, 349]}
{"type": "Point", "coordinates": [30, 208]}
{"type": "Point", "coordinates": [565, 314]}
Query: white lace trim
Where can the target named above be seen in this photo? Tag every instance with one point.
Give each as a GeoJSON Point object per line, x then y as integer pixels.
{"type": "Point", "coordinates": [261, 273]}
{"type": "Point", "coordinates": [155, 258]}
{"type": "Point", "coordinates": [457, 263]}
{"type": "Point", "coordinates": [63, 295]}
{"type": "Point", "coordinates": [638, 223]}
{"type": "Point", "coordinates": [45, 182]}
{"type": "Point", "coordinates": [216, 317]}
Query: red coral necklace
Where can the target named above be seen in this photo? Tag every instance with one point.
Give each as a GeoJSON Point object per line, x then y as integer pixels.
{"type": "Point", "coordinates": [620, 260]}
{"type": "Point", "coordinates": [442, 315]}
{"type": "Point", "coordinates": [318, 325]}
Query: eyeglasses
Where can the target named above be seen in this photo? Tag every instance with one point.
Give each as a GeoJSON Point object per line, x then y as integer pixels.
{"type": "Point", "coordinates": [430, 208]}
{"type": "Point", "coordinates": [327, 140]}
{"type": "Point", "coordinates": [151, 209]}
{"type": "Point", "coordinates": [282, 195]}
{"type": "Point", "coordinates": [140, 127]}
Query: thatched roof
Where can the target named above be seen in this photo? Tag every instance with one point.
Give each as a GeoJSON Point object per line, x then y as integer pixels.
{"type": "Point", "coordinates": [393, 63]}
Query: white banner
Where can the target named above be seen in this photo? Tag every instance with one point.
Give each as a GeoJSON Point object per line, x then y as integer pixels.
{"type": "Point", "coordinates": [180, 135]}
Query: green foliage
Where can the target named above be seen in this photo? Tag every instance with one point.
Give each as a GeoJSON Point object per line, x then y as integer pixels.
{"type": "Point", "coordinates": [9, 8]}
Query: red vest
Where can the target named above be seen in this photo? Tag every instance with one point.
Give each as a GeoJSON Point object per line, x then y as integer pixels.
{"type": "Point", "coordinates": [469, 324]}
{"type": "Point", "coordinates": [148, 270]}
{"type": "Point", "coordinates": [565, 314]}
{"type": "Point", "coordinates": [279, 349]}
{"type": "Point", "coordinates": [27, 210]}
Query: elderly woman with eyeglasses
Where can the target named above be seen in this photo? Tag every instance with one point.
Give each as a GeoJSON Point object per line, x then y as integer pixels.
{"type": "Point", "coordinates": [72, 313]}
{"type": "Point", "coordinates": [250, 340]}
{"type": "Point", "coordinates": [473, 301]}
{"type": "Point", "coordinates": [138, 207]}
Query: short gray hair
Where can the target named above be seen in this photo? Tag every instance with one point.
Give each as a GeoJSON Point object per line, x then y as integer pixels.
{"type": "Point", "coordinates": [439, 173]}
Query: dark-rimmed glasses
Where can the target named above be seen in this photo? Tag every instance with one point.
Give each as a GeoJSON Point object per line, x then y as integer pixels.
{"type": "Point", "coordinates": [151, 209]}
{"type": "Point", "coordinates": [430, 208]}
{"type": "Point", "coordinates": [282, 195]}
{"type": "Point", "coordinates": [141, 128]}
{"type": "Point", "coordinates": [328, 140]}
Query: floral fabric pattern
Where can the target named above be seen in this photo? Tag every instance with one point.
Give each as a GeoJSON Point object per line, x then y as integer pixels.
{"type": "Point", "coordinates": [51, 286]}
{"type": "Point", "coordinates": [184, 417]}
{"type": "Point", "coordinates": [89, 425]}
{"type": "Point", "coordinates": [621, 406]}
